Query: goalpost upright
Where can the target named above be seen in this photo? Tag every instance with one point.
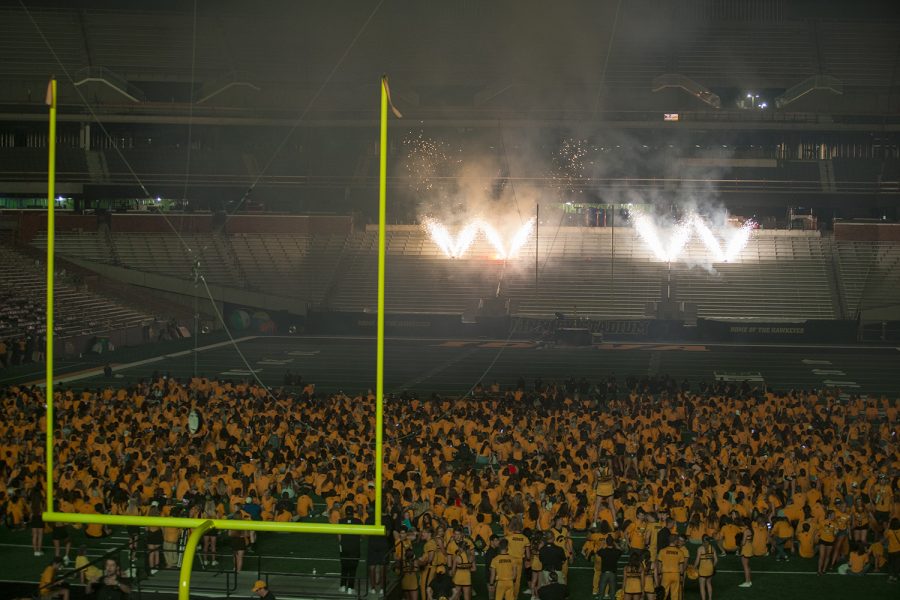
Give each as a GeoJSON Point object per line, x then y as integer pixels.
{"type": "Point", "coordinates": [199, 526]}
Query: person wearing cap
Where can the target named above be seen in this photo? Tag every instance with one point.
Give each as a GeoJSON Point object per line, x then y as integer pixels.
{"type": "Point", "coordinates": [553, 589]}
{"type": "Point", "coordinates": [261, 589]}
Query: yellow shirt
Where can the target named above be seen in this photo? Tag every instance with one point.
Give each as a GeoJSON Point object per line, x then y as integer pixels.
{"type": "Point", "coordinates": [47, 577]}
{"type": "Point", "coordinates": [671, 559]}
{"type": "Point", "coordinates": [805, 540]}
{"type": "Point", "coordinates": [90, 571]}
{"type": "Point", "coordinates": [504, 566]}
{"type": "Point", "coordinates": [826, 531]}
{"type": "Point", "coordinates": [517, 545]}
{"type": "Point", "coordinates": [858, 561]}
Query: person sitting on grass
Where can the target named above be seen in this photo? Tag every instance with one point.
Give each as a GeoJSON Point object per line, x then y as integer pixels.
{"type": "Point", "coordinates": [859, 561]}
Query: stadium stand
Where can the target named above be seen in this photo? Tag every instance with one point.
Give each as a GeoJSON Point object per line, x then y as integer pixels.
{"type": "Point", "coordinates": [737, 56]}
{"type": "Point", "coordinates": [24, 52]}
{"type": "Point", "coordinates": [869, 274]}
{"type": "Point", "coordinates": [862, 54]}
{"type": "Point", "coordinates": [780, 275]}
{"type": "Point", "coordinates": [298, 266]}
{"type": "Point", "coordinates": [23, 285]}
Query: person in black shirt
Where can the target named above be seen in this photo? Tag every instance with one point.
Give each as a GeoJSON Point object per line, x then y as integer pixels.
{"type": "Point", "coordinates": [554, 590]}
{"type": "Point", "coordinates": [552, 556]}
{"type": "Point", "coordinates": [609, 561]}
{"type": "Point", "coordinates": [112, 586]}
{"type": "Point", "coordinates": [349, 551]}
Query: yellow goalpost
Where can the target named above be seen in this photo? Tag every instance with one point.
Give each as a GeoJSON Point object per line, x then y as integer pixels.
{"type": "Point", "coordinates": [199, 526]}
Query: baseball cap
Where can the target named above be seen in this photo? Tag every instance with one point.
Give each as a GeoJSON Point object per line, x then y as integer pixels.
{"type": "Point", "coordinates": [259, 585]}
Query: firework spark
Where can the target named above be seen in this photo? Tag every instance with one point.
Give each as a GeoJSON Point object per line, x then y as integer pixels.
{"type": "Point", "coordinates": [570, 165]}
{"type": "Point", "coordinates": [677, 239]}
{"type": "Point", "coordinates": [456, 247]}
{"type": "Point", "coordinates": [735, 239]}
{"type": "Point", "coordinates": [427, 161]}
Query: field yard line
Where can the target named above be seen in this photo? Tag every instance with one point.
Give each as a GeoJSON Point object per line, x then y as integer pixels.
{"type": "Point", "coordinates": [138, 363]}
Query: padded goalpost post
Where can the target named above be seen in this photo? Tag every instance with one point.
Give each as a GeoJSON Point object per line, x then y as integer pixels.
{"type": "Point", "coordinates": [199, 526]}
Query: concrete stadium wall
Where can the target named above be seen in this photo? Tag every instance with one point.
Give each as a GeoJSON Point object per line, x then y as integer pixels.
{"type": "Point", "coordinates": [867, 232]}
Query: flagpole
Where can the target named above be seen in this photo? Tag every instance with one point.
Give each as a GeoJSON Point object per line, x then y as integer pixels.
{"type": "Point", "coordinates": [51, 230]}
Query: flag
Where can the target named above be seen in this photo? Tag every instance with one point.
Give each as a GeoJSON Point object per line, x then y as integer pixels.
{"type": "Point", "coordinates": [49, 98]}
{"type": "Point", "coordinates": [387, 89]}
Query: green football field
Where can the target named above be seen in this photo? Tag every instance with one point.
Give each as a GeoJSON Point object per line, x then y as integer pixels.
{"type": "Point", "coordinates": [453, 366]}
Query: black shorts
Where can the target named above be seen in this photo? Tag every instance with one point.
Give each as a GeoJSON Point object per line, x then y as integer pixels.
{"type": "Point", "coordinates": [824, 543]}
{"type": "Point", "coordinates": [238, 543]}
{"type": "Point", "coordinates": [36, 523]}
{"type": "Point", "coordinates": [620, 449]}
{"type": "Point", "coordinates": [155, 538]}
{"type": "Point", "coordinates": [60, 534]}
{"type": "Point", "coordinates": [861, 528]}
{"type": "Point", "coordinates": [376, 555]}
{"type": "Point", "coordinates": [133, 531]}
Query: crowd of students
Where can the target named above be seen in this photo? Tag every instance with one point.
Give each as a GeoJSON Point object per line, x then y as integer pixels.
{"type": "Point", "coordinates": [644, 466]}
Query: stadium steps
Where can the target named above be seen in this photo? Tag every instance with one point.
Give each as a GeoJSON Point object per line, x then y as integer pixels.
{"type": "Point", "coordinates": [300, 266]}
{"type": "Point", "coordinates": [23, 287]}
{"type": "Point", "coordinates": [870, 274]}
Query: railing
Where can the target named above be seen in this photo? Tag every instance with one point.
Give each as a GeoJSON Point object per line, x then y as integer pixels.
{"type": "Point", "coordinates": [223, 579]}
